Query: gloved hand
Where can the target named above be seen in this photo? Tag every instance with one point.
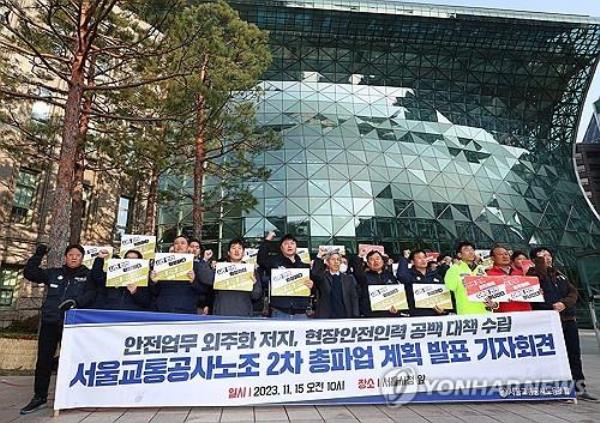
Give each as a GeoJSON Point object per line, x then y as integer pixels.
{"type": "Point", "coordinates": [67, 305]}
{"type": "Point", "coordinates": [41, 250]}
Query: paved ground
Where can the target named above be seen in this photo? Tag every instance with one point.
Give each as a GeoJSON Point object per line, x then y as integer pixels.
{"type": "Point", "coordinates": [16, 391]}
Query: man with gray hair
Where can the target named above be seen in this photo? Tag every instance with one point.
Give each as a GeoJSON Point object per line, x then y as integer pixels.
{"type": "Point", "coordinates": [337, 292]}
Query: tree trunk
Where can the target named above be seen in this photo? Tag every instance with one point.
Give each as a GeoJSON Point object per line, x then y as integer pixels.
{"type": "Point", "coordinates": [199, 158]}
{"type": "Point", "coordinates": [150, 220]}
{"type": "Point", "coordinates": [77, 206]}
{"type": "Point", "coordinates": [61, 203]}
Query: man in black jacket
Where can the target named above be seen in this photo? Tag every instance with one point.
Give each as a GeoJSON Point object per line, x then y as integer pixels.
{"type": "Point", "coordinates": [561, 296]}
{"type": "Point", "coordinates": [285, 307]}
{"type": "Point", "coordinates": [130, 297]}
{"type": "Point", "coordinates": [67, 287]}
{"type": "Point", "coordinates": [337, 291]}
{"type": "Point", "coordinates": [235, 303]}
{"type": "Point", "coordinates": [180, 296]}
{"type": "Point", "coordinates": [373, 272]}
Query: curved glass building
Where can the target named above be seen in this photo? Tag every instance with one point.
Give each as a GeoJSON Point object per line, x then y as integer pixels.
{"type": "Point", "coordinates": [415, 125]}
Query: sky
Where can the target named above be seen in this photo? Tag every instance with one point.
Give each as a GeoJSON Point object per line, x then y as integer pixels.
{"type": "Point", "coordinates": [579, 7]}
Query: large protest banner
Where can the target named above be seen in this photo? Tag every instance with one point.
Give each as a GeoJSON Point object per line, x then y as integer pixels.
{"type": "Point", "coordinates": [161, 359]}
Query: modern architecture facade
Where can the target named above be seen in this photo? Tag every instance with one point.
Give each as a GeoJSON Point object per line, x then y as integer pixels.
{"type": "Point", "coordinates": [416, 125]}
{"type": "Point", "coordinates": [587, 159]}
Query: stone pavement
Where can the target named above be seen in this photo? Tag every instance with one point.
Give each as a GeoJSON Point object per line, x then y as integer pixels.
{"type": "Point", "coordinates": [15, 391]}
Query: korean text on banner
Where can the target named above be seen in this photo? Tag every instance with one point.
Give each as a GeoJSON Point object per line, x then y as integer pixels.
{"type": "Point", "coordinates": [234, 277]}
{"type": "Point", "coordinates": [160, 360]}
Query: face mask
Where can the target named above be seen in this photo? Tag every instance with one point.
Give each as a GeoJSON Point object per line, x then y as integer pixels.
{"type": "Point", "coordinates": [343, 268]}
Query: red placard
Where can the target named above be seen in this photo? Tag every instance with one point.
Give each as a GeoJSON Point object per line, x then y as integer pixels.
{"type": "Point", "coordinates": [432, 256]}
{"type": "Point", "coordinates": [524, 288]}
{"type": "Point", "coordinates": [367, 248]}
{"type": "Point", "coordinates": [480, 288]}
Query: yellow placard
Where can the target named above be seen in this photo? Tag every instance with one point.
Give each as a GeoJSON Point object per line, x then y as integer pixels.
{"type": "Point", "coordinates": [91, 252]}
{"type": "Point", "coordinates": [122, 272]}
{"type": "Point", "coordinates": [289, 282]}
{"type": "Point", "coordinates": [304, 254]}
{"type": "Point", "coordinates": [328, 249]}
{"type": "Point", "coordinates": [250, 255]}
{"type": "Point", "coordinates": [234, 277]}
{"type": "Point", "coordinates": [383, 297]}
{"type": "Point", "coordinates": [431, 295]}
{"type": "Point", "coordinates": [145, 244]}
{"type": "Point", "coordinates": [173, 266]}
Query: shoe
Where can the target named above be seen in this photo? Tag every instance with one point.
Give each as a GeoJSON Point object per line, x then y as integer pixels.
{"type": "Point", "coordinates": [36, 403]}
{"type": "Point", "coordinates": [586, 396]}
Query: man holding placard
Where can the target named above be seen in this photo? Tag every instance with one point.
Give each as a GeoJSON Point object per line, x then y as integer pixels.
{"type": "Point", "coordinates": [433, 297]}
{"type": "Point", "coordinates": [235, 283]}
{"type": "Point", "coordinates": [125, 286]}
{"type": "Point", "coordinates": [291, 285]}
{"type": "Point", "coordinates": [379, 292]}
{"type": "Point", "coordinates": [454, 281]}
{"type": "Point", "coordinates": [502, 267]}
{"type": "Point", "coordinates": [178, 281]}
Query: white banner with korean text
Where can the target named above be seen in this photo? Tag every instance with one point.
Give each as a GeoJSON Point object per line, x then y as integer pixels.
{"type": "Point", "coordinates": [160, 360]}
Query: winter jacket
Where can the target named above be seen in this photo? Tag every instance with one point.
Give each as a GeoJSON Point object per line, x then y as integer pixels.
{"type": "Point", "coordinates": [109, 298]}
{"type": "Point", "coordinates": [63, 283]}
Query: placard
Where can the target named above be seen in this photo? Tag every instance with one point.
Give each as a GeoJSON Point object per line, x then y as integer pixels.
{"type": "Point", "coordinates": [289, 282]}
{"type": "Point", "coordinates": [173, 266]}
{"type": "Point", "coordinates": [250, 255]}
{"type": "Point", "coordinates": [329, 249]}
{"type": "Point", "coordinates": [429, 295]}
{"type": "Point", "coordinates": [432, 256]}
{"type": "Point", "coordinates": [92, 251]}
{"type": "Point", "coordinates": [304, 254]}
{"type": "Point", "coordinates": [480, 288]}
{"type": "Point", "coordinates": [145, 244]}
{"type": "Point", "coordinates": [524, 288]}
{"type": "Point", "coordinates": [123, 272]}
{"type": "Point", "coordinates": [383, 297]}
{"type": "Point", "coordinates": [234, 277]}
{"type": "Point", "coordinates": [367, 248]}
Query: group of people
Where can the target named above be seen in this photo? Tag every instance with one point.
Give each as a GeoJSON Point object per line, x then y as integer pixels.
{"type": "Point", "coordinates": [338, 286]}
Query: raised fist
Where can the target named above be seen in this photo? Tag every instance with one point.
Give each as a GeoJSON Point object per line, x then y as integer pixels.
{"type": "Point", "coordinates": [41, 250]}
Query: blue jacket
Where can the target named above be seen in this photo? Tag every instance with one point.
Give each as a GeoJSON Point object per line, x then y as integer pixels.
{"type": "Point", "coordinates": [410, 276]}
{"type": "Point", "coordinates": [181, 296]}
{"type": "Point", "coordinates": [63, 283]}
{"type": "Point", "coordinates": [117, 298]}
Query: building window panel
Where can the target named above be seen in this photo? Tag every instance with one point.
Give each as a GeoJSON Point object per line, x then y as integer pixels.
{"type": "Point", "coordinates": [24, 197]}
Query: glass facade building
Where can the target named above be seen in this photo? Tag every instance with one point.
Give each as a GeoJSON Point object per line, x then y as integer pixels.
{"type": "Point", "coordinates": [415, 125]}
